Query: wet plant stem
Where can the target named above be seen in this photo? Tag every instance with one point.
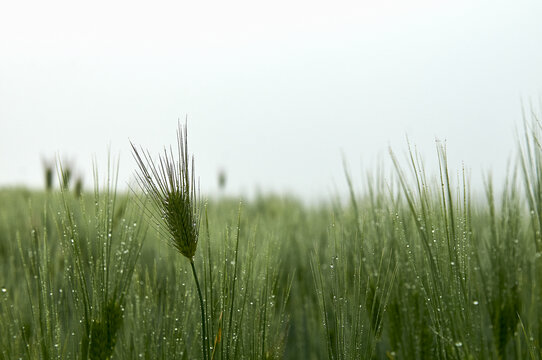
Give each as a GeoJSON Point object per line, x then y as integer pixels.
{"type": "Point", "coordinates": [204, 347]}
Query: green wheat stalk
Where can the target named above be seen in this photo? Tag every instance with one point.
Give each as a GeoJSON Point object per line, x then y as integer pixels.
{"type": "Point", "coordinates": [171, 187]}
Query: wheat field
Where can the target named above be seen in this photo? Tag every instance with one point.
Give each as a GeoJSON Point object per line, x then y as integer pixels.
{"type": "Point", "coordinates": [415, 266]}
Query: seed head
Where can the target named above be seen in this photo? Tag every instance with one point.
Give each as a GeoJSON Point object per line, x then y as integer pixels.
{"type": "Point", "coordinates": [171, 187]}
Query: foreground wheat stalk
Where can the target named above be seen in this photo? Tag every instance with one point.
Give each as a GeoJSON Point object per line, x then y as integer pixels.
{"type": "Point", "coordinates": [174, 202]}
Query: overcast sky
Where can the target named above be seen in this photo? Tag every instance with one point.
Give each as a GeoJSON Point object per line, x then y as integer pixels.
{"type": "Point", "coordinates": [275, 92]}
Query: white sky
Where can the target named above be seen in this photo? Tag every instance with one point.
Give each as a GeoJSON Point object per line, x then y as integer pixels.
{"type": "Point", "coordinates": [274, 92]}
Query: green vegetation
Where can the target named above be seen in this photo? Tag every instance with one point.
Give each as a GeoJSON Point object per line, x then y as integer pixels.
{"type": "Point", "coordinates": [415, 267]}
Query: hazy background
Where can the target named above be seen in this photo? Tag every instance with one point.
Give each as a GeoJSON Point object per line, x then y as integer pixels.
{"type": "Point", "coordinates": [274, 92]}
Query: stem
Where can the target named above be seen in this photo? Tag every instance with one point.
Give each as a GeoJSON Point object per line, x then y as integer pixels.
{"type": "Point", "coordinates": [203, 333]}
